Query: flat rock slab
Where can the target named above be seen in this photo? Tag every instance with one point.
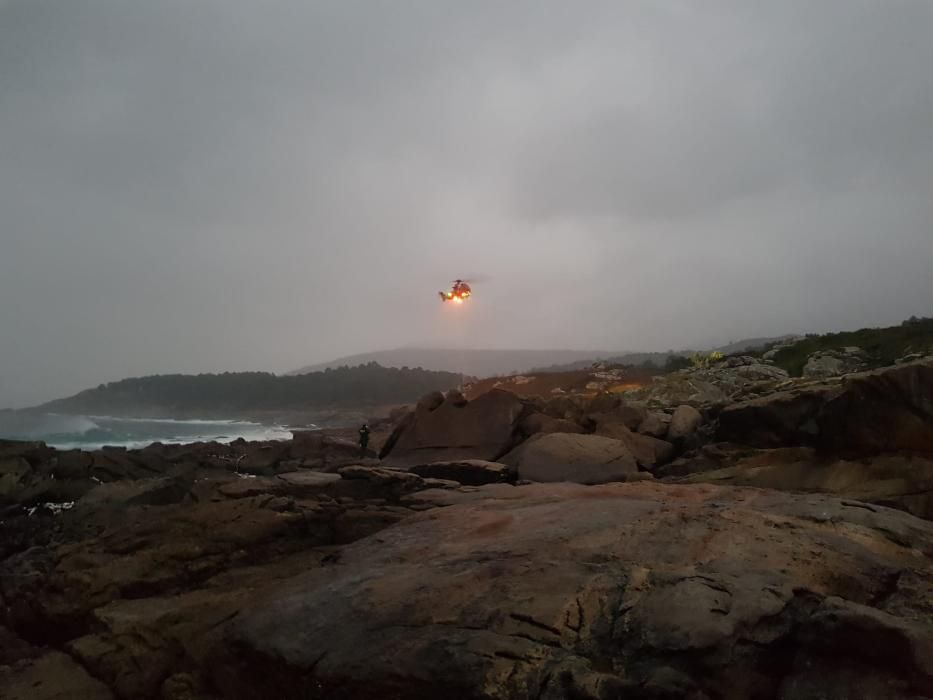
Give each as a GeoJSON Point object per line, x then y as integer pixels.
{"type": "Point", "coordinates": [247, 487]}
{"type": "Point", "coordinates": [441, 484]}
{"type": "Point", "coordinates": [439, 497]}
{"type": "Point", "coordinates": [471, 472]}
{"type": "Point", "coordinates": [53, 676]}
{"type": "Point", "coordinates": [623, 590]}
{"type": "Point", "coordinates": [308, 480]}
{"type": "Point", "coordinates": [377, 474]}
{"type": "Point", "coordinates": [153, 492]}
{"type": "Point", "coordinates": [900, 481]}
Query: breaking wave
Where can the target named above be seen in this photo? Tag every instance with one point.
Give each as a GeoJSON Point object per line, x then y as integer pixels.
{"type": "Point", "coordinates": [93, 432]}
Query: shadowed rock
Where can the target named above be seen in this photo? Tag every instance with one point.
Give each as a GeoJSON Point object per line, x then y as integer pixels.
{"type": "Point", "coordinates": [538, 423]}
{"type": "Point", "coordinates": [881, 411]}
{"type": "Point", "coordinates": [471, 472]}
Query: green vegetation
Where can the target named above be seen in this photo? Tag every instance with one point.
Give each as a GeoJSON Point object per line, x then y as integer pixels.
{"type": "Point", "coordinates": [883, 345]}
{"type": "Point", "coordinates": [237, 392]}
{"type": "Point", "coordinates": [702, 360]}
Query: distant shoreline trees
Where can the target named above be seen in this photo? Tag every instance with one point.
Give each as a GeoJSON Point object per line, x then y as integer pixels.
{"type": "Point", "coordinates": [255, 391]}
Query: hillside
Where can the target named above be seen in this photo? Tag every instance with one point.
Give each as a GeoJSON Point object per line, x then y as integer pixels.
{"type": "Point", "coordinates": [490, 363]}
{"type": "Point", "coordinates": [583, 382]}
{"type": "Point", "coordinates": [751, 344]}
{"type": "Point", "coordinates": [882, 345]}
{"type": "Point", "coordinates": [242, 393]}
{"type": "Point", "coordinates": [480, 363]}
{"type": "Point", "coordinates": [659, 359]}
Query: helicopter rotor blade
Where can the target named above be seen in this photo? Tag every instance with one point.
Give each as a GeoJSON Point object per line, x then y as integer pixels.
{"type": "Point", "coordinates": [472, 279]}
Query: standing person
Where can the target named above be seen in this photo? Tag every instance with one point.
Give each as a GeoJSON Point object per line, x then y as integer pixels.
{"type": "Point", "coordinates": [364, 439]}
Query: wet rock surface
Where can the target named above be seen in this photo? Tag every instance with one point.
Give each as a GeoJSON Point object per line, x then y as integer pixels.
{"type": "Point", "coordinates": [780, 547]}
{"type": "Point", "coordinates": [625, 590]}
{"type": "Point", "coordinates": [120, 593]}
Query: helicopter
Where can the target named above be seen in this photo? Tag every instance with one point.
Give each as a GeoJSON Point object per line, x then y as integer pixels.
{"type": "Point", "coordinates": [458, 293]}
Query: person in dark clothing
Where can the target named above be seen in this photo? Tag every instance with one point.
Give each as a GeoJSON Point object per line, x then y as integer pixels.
{"type": "Point", "coordinates": [364, 439]}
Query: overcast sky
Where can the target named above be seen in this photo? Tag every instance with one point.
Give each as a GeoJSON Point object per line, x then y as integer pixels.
{"type": "Point", "coordinates": [211, 185]}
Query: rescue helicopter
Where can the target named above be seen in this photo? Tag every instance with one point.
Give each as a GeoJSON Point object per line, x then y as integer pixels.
{"type": "Point", "coordinates": [458, 293]}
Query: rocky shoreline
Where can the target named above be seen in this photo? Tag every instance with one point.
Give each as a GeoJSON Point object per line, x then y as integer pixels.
{"type": "Point", "coordinates": [725, 532]}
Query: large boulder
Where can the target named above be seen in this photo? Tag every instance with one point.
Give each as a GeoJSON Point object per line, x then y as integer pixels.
{"type": "Point", "coordinates": [783, 418]}
{"type": "Point", "coordinates": [582, 459]}
{"type": "Point", "coordinates": [622, 413]}
{"type": "Point", "coordinates": [484, 428]}
{"type": "Point", "coordinates": [833, 363]}
{"type": "Point", "coordinates": [569, 408]}
{"type": "Point", "coordinates": [684, 423]}
{"type": "Point", "coordinates": [880, 411]}
{"type": "Point", "coordinates": [647, 451]}
{"type": "Point", "coordinates": [558, 591]}
{"type": "Point", "coordinates": [429, 402]}
{"type": "Point", "coordinates": [603, 402]}
{"type": "Point", "coordinates": [884, 410]}
{"type": "Point", "coordinates": [655, 424]}
{"type": "Point", "coordinates": [313, 449]}
{"type": "Point", "coordinates": [455, 397]}
{"type": "Point", "coordinates": [733, 379]}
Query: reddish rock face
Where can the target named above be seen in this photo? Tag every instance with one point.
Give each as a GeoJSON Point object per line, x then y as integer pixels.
{"type": "Point", "coordinates": [484, 428]}
{"type": "Point", "coordinates": [625, 590]}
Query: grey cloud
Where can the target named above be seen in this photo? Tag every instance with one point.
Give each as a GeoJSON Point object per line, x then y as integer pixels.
{"type": "Point", "coordinates": [200, 186]}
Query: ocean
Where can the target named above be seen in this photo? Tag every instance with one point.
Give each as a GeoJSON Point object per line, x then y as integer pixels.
{"type": "Point", "coordinates": [93, 432]}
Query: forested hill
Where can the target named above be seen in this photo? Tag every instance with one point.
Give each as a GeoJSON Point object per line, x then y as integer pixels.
{"type": "Point", "coordinates": [243, 392]}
